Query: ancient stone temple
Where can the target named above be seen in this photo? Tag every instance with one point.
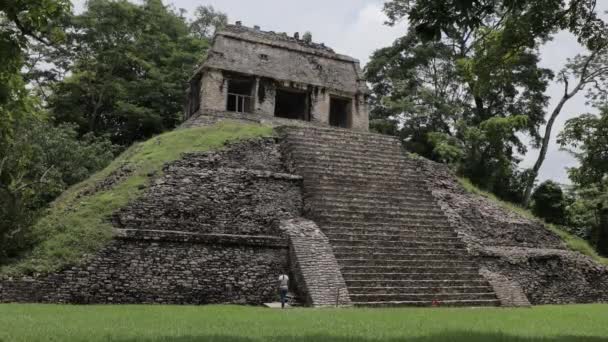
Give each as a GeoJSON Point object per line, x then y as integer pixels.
{"type": "Point", "coordinates": [348, 214]}
{"type": "Point", "coordinates": [250, 73]}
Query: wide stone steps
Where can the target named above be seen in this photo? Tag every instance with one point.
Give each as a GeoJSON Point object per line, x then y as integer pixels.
{"type": "Point", "coordinates": [409, 263]}
{"type": "Point", "coordinates": [307, 146]}
{"type": "Point", "coordinates": [340, 195]}
{"type": "Point", "coordinates": [381, 278]}
{"type": "Point", "coordinates": [406, 269]}
{"type": "Point", "coordinates": [397, 172]}
{"type": "Point", "coordinates": [393, 242]}
{"type": "Point", "coordinates": [346, 137]}
{"type": "Point", "coordinates": [396, 212]}
{"type": "Point", "coordinates": [367, 255]}
{"type": "Point", "coordinates": [376, 206]}
{"type": "Point", "coordinates": [451, 303]}
{"type": "Point", "coordinates": [393, 237]}
{"type": "Point", "coordinates": [342, 219]}
{"type": "Point", "coordinates": [342, 233]}
{"type": "Point", "coordinates": [420, 250]}
{"type": "Point", "coordinates": [357, 178]}
{"type": "Point", "coordinates": [421, 297]}
{"type": "Point", "coordinates": [402, 243]}
{"type": "Point", "coordinates": [375, 184]}
{"type": "Point", "coordinates": [388, 226]}
{"type": "Point", "coordinates": [382, 290]}
{"type": "Point", "coordinates": [364, 192]}
{"type": "Point", "coordinates": [361, 165]}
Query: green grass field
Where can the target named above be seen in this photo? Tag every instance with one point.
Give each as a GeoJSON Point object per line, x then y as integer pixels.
{"type": "Point", "coordinates": [247, 324]}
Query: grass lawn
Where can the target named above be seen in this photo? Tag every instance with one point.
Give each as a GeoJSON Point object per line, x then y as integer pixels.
{"type": "Point", "coordinates": [248, 324]}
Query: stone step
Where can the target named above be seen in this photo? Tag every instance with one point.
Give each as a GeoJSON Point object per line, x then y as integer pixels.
{"type": "Point", "coordinates": [422, 290]}
{"type": "Point", "coordinates": [366, 255]}
{"type": "Point", "coordinates": [319, 135]}
{"type": "Point", "coordinates": [304, 156]}
{"type": "Point", "coordinates": [363, 178]}
{"type": "Point", "coordinates": [392, 237]}
{"type": "Point", "coordinates": [414, 283]}
{"type": "Point", "coordinates": [386, 226]}
{"type": "Point", "coordinates": [340, 219]}
{"type": "Point", "coordinates": [340, 195]}
{"type": "Point", "coordinates": [372, 250]}
{"type": "Point", "coordinates": [352, 165]}
{"type": "Point", "coordinates": [412, 276]}
{"type": "Point", "coordinates": [405, 263]}
{"type": "Point", "coordinates": [392, 297]}
{"type": "Point", "coordinates": [375, 205]}
{"type": "Point", "coordinates": [397, 244]}
{"type": "Point", "coordinates": [376, 184]}
{"type": "Point", "coordinates": [387, 171]}
{"type": "Point", "coordinates": [409, 232]}
{"type": "Point", "coordinates": [450, 303]}
{"type": "Point", "coordinates": [394, 212]}
{"type": "Point", "coordinates": [397, 193]}
{"type": "Point", "coordinates": [299, 144]}
{"type": "Point", "coordinates": [406, 269]}
{"type": "Point", "coordinates": [332, 138]}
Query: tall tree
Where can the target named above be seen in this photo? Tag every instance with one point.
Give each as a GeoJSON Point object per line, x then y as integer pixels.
{"type": "Point", "coordinates": [520, 24]}
{"type": "Point", "coordinates": [129, 71]}
{"type": "Point", "coordinates": [586, 137]}
{"type": "Point", "coordinates": [463, 97]}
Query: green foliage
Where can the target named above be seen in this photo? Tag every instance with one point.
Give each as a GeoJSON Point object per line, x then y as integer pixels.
{"type": "Point", "coordinates": [156, 323]}
{"type": "Point", "coordinates": [464, 99]}
{"type": "Point", "coordinates": [207, 22]}
{"type": "Point", "coordinates": [573, 242]}
{"type": "Point", "coordinates": [39, 164]}
{"type": "Point", "coordinates": [129, 72]}
{"type": "Point", "coordinates": [77, 222]}
{"type": "Point", "coordinates": [549, 202]}
{"type": "Point", "coordinates": [526, 20]}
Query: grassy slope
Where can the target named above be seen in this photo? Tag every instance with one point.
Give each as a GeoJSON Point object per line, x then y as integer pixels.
{"type": "Point", "coordinates": [77, 224]}
{"type": "Point", "coordinates": [247, 324]}
{"type": "Point", "coordinates": [573, 242]}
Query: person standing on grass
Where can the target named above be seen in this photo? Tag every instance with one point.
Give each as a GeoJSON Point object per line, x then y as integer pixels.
{"type": "Point", "coordinates": [283, 288]}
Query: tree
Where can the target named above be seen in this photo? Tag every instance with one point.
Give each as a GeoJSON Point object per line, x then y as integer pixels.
{"type": "Point", "coordinates": [44, 161]}
{"type": "Point", "coordinates": [586, 137]}
{"type": "Point", "coordinates": [207, 21]}
{"type": "Point", "coordinates": [519, 25]}
{"type": "Point", "coordinates": [549, 202]}
{"type": "Point", "coordinates": [436, 94]}
{"type": "Point", "coordinates": [129, 71]}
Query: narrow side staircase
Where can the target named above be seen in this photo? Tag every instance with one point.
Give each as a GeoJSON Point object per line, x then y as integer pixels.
{"type": "Point", "coordinates": [391, 239]}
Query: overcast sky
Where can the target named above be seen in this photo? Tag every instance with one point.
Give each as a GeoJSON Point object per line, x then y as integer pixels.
{"type": "Point", "coordinates": [356, 28]}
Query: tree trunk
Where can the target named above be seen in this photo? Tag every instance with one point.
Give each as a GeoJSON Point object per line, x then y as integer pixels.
{"type": "Point", "coordinates": [545, 144]}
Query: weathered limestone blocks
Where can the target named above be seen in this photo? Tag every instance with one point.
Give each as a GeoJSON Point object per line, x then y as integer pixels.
{"type": "Point", "coordinates": [177, 269]}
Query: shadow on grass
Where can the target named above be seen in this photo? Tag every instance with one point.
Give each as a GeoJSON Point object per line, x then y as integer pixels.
{"type": "Point", "coordinates": [456, 336]}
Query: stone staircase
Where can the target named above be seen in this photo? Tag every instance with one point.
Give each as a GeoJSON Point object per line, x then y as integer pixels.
{"type": "Point", "coordinates": [392, 241]}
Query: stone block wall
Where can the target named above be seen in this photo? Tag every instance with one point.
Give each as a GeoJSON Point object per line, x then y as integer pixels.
{"type": "Point", "coordinates": [163, 268]}
{"type": "Point", "coordinates": [214, 92]}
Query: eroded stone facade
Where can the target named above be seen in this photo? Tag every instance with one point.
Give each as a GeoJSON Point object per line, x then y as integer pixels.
{"type": "Point", "coordinates": [260, 74]}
